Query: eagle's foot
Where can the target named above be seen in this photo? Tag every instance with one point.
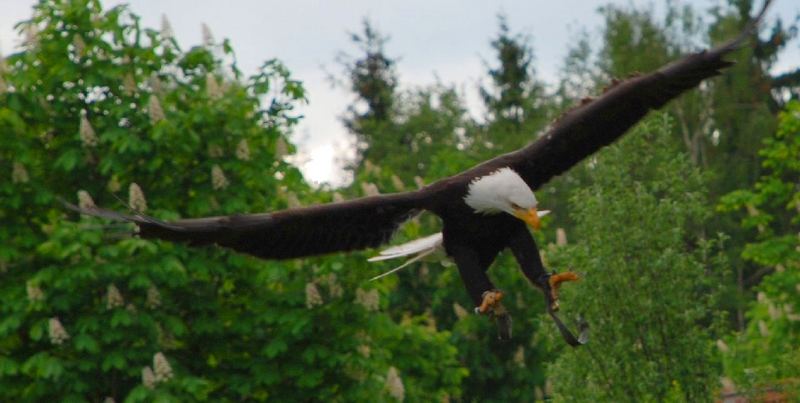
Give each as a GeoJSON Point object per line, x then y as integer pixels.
{"type": "Point", "coordinates": [554, 282]}
{"type": "Point", "coordinates": [492, 307]}
{"type": "Point", "coordinates": [490, 299]}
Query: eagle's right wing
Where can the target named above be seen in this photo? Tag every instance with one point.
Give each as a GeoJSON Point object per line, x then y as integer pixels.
{"type": "Point", "coordinates": [306, 231]}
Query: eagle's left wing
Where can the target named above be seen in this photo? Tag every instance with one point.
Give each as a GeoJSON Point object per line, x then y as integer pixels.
{"type": "Point", "coordinates": [599, 122]}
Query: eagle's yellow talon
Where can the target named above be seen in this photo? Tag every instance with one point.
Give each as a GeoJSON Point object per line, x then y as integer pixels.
{"type": "Point", "coordinates": [490, 299]}
{"type": "Point", "coordinates": [555, 281]}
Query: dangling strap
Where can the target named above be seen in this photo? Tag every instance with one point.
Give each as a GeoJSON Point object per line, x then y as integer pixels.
{"type": "Point", "coordinates": [568, 336]}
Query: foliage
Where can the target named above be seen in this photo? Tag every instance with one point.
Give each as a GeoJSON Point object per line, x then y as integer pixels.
{"type": "Point", "coordinates": [97, 103]}
{"type": "Point", "coordinates": [515, 103]}
{"type": "Point", "coordinates": [389, 124]}
{"type": "Point", "coordinates": [428, 123]}
{"type": "Point", "coordinates": [773, 204]}
{"type": "Point", "coordinates": [766, 353]}
{"type": "Point", "coordinates": [373, 80]}
{"type": "Point", "coordinates": [511, 96]}
{"type": "Point", "coordinates": [650, 281]}
{"type": "Point", "coordinates": [722, 123]}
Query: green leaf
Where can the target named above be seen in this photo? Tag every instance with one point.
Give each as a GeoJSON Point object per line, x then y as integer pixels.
{"type": "Point", "coordinates": [84, 342]}
{"type": "Point", "coordinates": [274, 347]}
{"type": "Point", "coordinates": [43, 365]}
{"type": "Point", "coordinates": [38, 329]}
{"type": "Point", "coordinates": [121, 318]}
{"type": "Point", "coordinates": [10, 325]}
{"type": "Point", "coordinates": [113, 359]}
{"type": "Point", "coordinates": [68, 160]}
{"type": "Point", "coordinates": [8, 366]}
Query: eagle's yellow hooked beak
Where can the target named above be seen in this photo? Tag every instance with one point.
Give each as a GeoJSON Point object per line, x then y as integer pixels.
{"type": "Point", "coordinates": [531, 216]}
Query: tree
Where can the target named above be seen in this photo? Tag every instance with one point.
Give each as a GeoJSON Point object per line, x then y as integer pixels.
{"type": "Point", "coordinates": [650, 281]}
{"type": "Point", "coordinates": [373, 79]}
{"type": "Point", "coordinates": [744, 114]}
{"type": "Point", "coordinates": [721, 124]}
{"type": "Point", "coordinates": [390, 124]}
{"type": "Point", "coordinates": [96, 104]}
{"type": "Point", "coordinates": [516, 106]}
{"type": "Point", "coordinates": [510, 98]}
{"type": "Point", "coordinates": [765, 354]}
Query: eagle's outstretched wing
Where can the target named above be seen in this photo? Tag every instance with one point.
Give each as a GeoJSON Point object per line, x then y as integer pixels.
{"type": "Point", "coordinates": [306, 231]}
{"type": "Point", "coordinates": [599, 122]}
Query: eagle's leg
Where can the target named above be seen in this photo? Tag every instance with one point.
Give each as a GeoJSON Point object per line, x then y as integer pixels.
{"type": "Point", "coordinates": [526, 252]}
{"type": "Point", "coordinates": [473, 274]}
{"type": "Point", "coordinates": [485, 296]}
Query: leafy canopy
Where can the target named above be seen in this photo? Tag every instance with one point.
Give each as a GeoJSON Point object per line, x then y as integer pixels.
{"type": "Point", "coordinates": [95, 104]}
{"type": "Point", "coordinates": [650, 280]}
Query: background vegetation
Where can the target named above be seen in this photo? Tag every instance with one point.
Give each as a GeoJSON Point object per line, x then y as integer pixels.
{"type": "Point", "coordinates": [686, 230]}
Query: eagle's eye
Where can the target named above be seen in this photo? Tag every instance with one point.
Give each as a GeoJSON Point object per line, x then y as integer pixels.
{"type": "Point", "coordinates": [515, 206]}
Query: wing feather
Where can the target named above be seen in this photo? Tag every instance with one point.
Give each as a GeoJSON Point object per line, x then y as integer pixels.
{"type": "Point", "coordinates": [430, 242]}
{"type": "Point", "coordinates": [355, 224]}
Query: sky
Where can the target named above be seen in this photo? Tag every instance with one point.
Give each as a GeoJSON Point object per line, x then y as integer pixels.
{"type": "Point", "coordinates": [444, 40]}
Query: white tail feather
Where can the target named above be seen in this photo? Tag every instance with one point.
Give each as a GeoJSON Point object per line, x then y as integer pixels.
{"type": "Point", "coordinates": [409, 248]}
{"type": "Point", "coordinates": [421, 247]}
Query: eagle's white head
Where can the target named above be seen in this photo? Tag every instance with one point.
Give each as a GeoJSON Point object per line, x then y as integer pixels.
{"type": "Point", "coordinates": [504, 191]}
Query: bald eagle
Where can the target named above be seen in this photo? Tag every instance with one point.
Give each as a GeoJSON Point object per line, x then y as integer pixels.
{"type": "Point", "coordinates": [483, 210]}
